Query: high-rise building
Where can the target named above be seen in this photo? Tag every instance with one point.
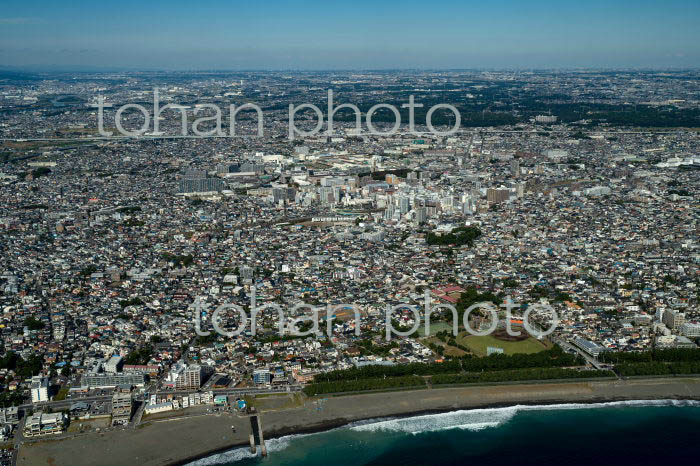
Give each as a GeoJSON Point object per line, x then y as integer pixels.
{"type": "Point", "coordinates": [495, 196]}
{"type": "Point", "coordinates": [674, 319]}
{"type": "Point", "coordinates": [190, 378]}
{"type": "Point", "coordinates": [184, 377]}
{"type": "Point", "coordinates": [389, 212]}
{"type": "Point", "coordinates": [114, 364]}
{"type": "Point", "coordinates": [261, 376]}
{"type": "Point", "coordinates": [279, 194]}
{"type": "Point", "coordinates": [223, 168]}
{"type": "Point", "coordinates": [250, 167]}
{"type": "Point", "coordinates": [121, 408]}
{"type": "Point", "coordinates": [690, 330]}
{"type": "Point", "coordinates": [404, 205]}
{"type": "Point", "coordinates": [421, 215]}
{"type": "Point", "coordinates": [40, 389]}
{"type": "Point", "coordinates": [246, 273]}
{"type": "Point", "coordinates": [327, 195]}
{"type": "Point", "coordinates": [515, 168]}
{"type": "Point", "coordinates": [201, 185]}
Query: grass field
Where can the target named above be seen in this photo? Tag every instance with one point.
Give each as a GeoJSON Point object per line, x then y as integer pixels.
{"type": "Point", "coordinates": [435, 327]}
{"type": "Point", "coordinates": [478, 344]}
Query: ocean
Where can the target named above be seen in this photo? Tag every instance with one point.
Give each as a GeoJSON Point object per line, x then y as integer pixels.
{"type": "Point", "coordinates": [618, 433]}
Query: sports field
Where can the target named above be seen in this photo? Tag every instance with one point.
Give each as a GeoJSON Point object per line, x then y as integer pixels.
{"type": "Point", "coordinates": [435, 327]}
{"type": "Point", "coordinates": [478, 344]}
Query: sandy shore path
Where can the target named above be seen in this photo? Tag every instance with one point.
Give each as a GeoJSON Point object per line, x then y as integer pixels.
{"type": "Point", "coordinates": [175, 440]}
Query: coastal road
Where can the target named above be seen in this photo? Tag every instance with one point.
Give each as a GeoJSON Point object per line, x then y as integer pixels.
{"type": "Point", "coordinates": [65, 404]}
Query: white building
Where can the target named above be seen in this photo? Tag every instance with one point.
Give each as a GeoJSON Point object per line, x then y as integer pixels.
{"type": "Point", "coordinates": [40, 389]}
{"type": "Point", "coordinates": [690, 330]}
{"type": "Point", "coordinates": [43, 424]}
{"type": "Point", "coordinates": [158, 408]}
{"type": "Point", "coordinates": [114, 364]}
{"type": "Point", "coordinates": [674, 319]}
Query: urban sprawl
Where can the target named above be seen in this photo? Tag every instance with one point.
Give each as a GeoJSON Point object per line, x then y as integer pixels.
{"type": "Point", "coordinates": [575, 190]}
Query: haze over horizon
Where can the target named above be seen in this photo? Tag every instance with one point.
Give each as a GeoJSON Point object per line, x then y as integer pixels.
{"type": "Point", "coordinates": [364, 35]}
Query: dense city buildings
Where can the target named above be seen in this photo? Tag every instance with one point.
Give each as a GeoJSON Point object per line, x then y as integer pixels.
{"type": "Point", "coordinates": [119, 255]}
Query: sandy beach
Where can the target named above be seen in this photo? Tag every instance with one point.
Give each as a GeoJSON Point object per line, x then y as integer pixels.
{"type": "Point", "coordinates": [178, 440]}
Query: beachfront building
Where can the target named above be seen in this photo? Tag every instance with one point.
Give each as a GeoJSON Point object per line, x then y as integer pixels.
{"type": "Point", "coordinates": [185, 377]}
{"type": "Point", "coordinates": [158, 408]}
{"type": "Point", "coordinates": [261, 376]}
{"type": "Point", "coordinates": [191, 378]}
{"type": "Point", "coordinates": [44, 424]}
{"type": "Point", "coordinates": [121, 408]}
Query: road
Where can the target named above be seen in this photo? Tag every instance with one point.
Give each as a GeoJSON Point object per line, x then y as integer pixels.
{"type": "Point", "coordinates": [63, 404]}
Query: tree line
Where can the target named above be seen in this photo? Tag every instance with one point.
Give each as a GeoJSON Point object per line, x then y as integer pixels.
{"type": "Point", "coordinates": [379, 371]}
{"type": "Point", "coordinates": [658, 355]}
{"type": "Point", "coordinates": [553, 357]}
{"type": "Point", "coordinates": [537, 373]}
{"type": "Point", "coordinates": [339, 386]}
{"type": "Point", "coordinates": [545, 365]}
{"type": "Point", "coordinates": [659, 368]}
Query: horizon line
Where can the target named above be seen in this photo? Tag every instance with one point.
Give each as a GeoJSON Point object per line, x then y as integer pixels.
{"type": "Point", "coordinates": [78, 69]}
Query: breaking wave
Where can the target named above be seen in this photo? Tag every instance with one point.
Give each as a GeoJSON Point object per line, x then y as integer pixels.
{"type": "Point", "coordinates": [470, 420]}
{"type": "Point", "coordinates": [479, 419]}
{"type": "Point", "coordinates": [242, 453]}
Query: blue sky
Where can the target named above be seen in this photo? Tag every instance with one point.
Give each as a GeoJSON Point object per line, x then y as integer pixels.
{"type": "Point", "coordinates": [377, 34]}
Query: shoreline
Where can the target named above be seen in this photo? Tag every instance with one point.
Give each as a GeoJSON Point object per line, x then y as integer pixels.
{"type": "Point", "coordinates": [340, 423]}
{"type": "Point", "coordinates": [179, 441]}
